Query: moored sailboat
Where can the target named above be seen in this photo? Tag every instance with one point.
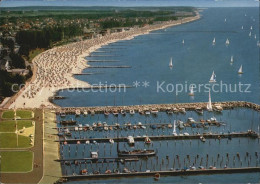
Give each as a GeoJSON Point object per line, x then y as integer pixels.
{"type": "Point", "coordinates": [232, 59]}
{"type": "Point", "coordinates": [209, 105]}
{"type": "Point", "coordinates": [170, 64]}
{"type": "Point", "coordinates": [227, 41]}
{"type": "Point", "coordinates": [240, 71]}
{"type": "Point", "coordinates": [213, 77]}
{"type": "Point", "coordinates": [214, 41]}
{"type": "Point", "coordinates": [191, 91]}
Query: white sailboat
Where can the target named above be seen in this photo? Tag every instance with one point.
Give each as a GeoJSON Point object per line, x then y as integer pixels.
{"type": "Point", "coordinates": [242, 27]}
{"type": "Point", "coordinates": [183, 42]}
{"type": "Point", "coordinates": [251, 27]}
{"type": "Point", "coordinates": [225, 20]}
{"type": "Point", "coordinates": [214, 41]}
{"type": "Point", "coordinates": [240, 71]}
{"type": "Point", "coordinates": [258, 43]}
{"type": "Point", "coordinates": [191, 91]}
{"type": "Point", "coordinates": [227, 41]}
{"type": "Point", "coordinates": [255, 36]}
{"type": "Point", "coordinates": [213, 77]}
{"type": "Point", "coordinates": [250, 34]}
{"type": "Point", "coordinates": [170, 64]}
{"type": "Point", "coordinates": [232, 59]}
{"type": "Point", "coordinates": [174, 129]}
{"type": "Point", "coordinates": [209, 105]}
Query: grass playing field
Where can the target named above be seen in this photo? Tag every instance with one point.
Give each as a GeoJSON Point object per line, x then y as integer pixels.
{"type": "Point", "coordinates": [16, 161]}
{"type": "Point", "coordinates": [24, 114]}
{"type": "Point", "coordinates": [9, 126]}
{"type": "Point", "coordinates": [9, 140]}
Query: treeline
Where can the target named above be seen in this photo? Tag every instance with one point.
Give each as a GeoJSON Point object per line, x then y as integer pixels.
{"type": "Point", "coordinates": [33, 39]}
{"type": "Point", "coordinates": [128, 23]}
{"type": "Point", "coordinates": [7, 81]}
{"type": "Point", "coordinates": [166, 18]}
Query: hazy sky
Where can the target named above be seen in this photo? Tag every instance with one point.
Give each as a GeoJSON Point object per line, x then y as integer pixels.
{"type": "Point", "coordinates": [197, 3]}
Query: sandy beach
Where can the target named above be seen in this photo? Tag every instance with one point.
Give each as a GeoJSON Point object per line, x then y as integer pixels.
{"type": "Point", "coordinates": [54, 68]}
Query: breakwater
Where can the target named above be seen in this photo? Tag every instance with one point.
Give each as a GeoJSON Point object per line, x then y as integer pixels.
{"type": "Point", "coordinates": [169, 173]}
{"type": "Point", "coordinates": [160, 107]}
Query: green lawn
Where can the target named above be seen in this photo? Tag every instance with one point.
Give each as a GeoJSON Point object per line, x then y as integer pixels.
{"type": "Point", "coordinates": [9, 126]}
{"type": "Point", "coordinates": [16, 161]}
{"type": "Point", "coordinates": [34, 53]}
{"type": "Point", "coordinates": [8, 140]}
{"type": "Point", "coordinates": [20, 113]}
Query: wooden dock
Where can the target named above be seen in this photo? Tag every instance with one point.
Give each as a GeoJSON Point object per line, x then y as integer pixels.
{"type": "Point", "coordinates": [93, 73]}
{"type": "Point", "coordinates": [158, 138]}
{"type": "Point", "coordinates": [167, 173]}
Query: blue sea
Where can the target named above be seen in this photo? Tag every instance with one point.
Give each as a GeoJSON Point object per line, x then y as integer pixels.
{"type": "Point", "coordinates": [193, 63]}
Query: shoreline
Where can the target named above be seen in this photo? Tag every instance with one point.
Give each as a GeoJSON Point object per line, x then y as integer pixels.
{"type": "Point", "coordinates": [50, 77]}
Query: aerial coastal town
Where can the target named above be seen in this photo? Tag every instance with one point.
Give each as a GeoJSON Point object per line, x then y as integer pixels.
{"type": "Point", "coordinates": [53, 131]}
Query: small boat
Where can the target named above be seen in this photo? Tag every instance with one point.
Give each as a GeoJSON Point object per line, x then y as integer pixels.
{"type": "Point", "coordinates": [202, 139]}
{"type": "Point", "coordinates": [154, 111]}
{"type": "Point", "coordinates": [240, 71]}
{"type": "Point", "coordinates": [94, 155]}
{"type": "Point", "coordinates": [255, 37]}
{"type": "Point", "coordinates": [174, 129]}
{"type": "Point", "coordinates": [138, 153]}
{"type": "Point", "coordinates": [227, 41]}
{"type": "Point", "coordinates": [83, 172]}
{"type": "Point", "coordinates": [68, 122]}
{"type": "Point", "coordinates": [92, 113]}
{"type": "Point", "coordinates": [123, 112]}
{"type": "Point", "coordinates": [77, 112]}
{"type": "Point", "coordinates": [147, 140]}
{"type": "Point", "coordinates": [170, 64]}
{"type": "Point", "coordinates": [157, 176]}
{"type": "Point", "coordinates": [87, 142]}
{"type": "Point", "coordinates": [214, 41]}
{"type": "Point", "coordinates": [169, 111]}
{"type": "Point", "coordinates": [132, 112]}
{"type": "Point", "coordinates": [209, 105]}
{"type": "Point", "coordinates": [181, 124]}
{"type": "Point", "coordinates": [106, 113]}
{"type": "Point", "coordinates": [232, 59]}
{"type": "Point", "coordinates": [250, 34]}
{"type": "Point", "coordinates": [130, 140]}
{"type": "Point", "coordinates": [169, 125]}
{"type": "Point", "coordinates": [212, 78]}
{"type": "Point", "coordinates": [225, 20]}
{"type": "Point", "coordinates": [186, 134]}
{"type": "Point", "coordinates": [115, 113]}
{"type": "Point", "coordinates": [199, 110]}
{"type": "Point", "coordinates": [182, 110]}
{"type": "Point", "coordinates": [218, 108]}
{"type": "Point", "coordinates": [182, 41]}
{"type": "Point", "coordinates": [147, 112]}
{"type": "Point", "coordinates": [191, 91]}
{"type": "Point", "coordinates": [62, 114]}
{"type": "Point", "coordinates": [85, 113]}
{"type": "Point", "coordinates": [242, 27]}
{"type": "Point", "coordinates": [251, 27]}
{"type": "Point", "coordinates": [111, 141]}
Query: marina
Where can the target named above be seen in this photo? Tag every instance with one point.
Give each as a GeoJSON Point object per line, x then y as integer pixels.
{"type": "Point", "coordinates": [110, 137]}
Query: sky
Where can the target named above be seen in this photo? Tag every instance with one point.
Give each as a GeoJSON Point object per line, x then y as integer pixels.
{"type": "Point", "coordinates": [195, 3]}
